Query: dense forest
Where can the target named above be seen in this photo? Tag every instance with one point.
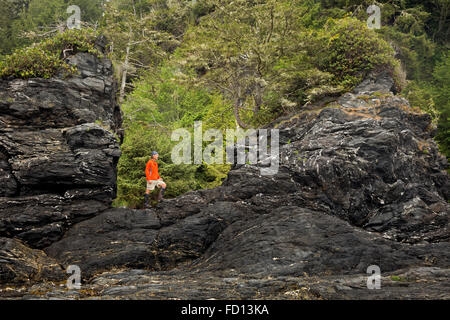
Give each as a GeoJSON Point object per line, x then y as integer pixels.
{"type": "Point", "coordinates": [231, 63]}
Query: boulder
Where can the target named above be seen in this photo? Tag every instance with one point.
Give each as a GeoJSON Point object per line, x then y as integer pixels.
{"type": "Point", "coordinates": [21, 265]}
{"type": "Point", "coordinates": [227, 236]}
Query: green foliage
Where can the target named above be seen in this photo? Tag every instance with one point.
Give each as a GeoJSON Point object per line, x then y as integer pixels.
{"type": "Point", "coordinates": [45, 59]}
{"type": "Point", "coordinates": [398, 278]}
{"type": "Point", "coordinates": [428, 17]}
{"type": "Point", "coordinates": [418, 31]}
{"type": "Point", "coordinates": [352, 50]}
{"type": "Point", "coordinates": [416, 53]}
{"type": "Point", "coordinates": [420, 95]}
{"type": "Point", "coordinates": [145, 33]}
{"type": "Point", "coordinates": [441, 92]}
{"type": "Point", "coordinates": [41, 13]}
{"type": "Point", "coordinates": [9, 12]}
{"type": "Point", "coordinates": [26, 21]}
{"type": "Point", "coordinates": [271, 57]}
{"type": "Point", "coordinates": [157, 106]}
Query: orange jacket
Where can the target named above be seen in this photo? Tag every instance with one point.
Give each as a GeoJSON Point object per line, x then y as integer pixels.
{"type": "Point", "coordinates": [151, 171]}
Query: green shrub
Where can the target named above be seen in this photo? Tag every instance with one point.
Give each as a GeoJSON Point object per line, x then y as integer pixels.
{"type": "Point", "coordinates": [45, 59]}
{"type": "Point", "coordinates": [140, 141]}
{"type": "Point", "coordinates": [398, 278]}
{"type": "Point", "coordinates": [421, 96]}
{"type": "Point", "coordinates": [441, 91]}
{"type": "Point", "coordinates": [158, 106]}
{"type": "Point", "coordinates": [352, 50]}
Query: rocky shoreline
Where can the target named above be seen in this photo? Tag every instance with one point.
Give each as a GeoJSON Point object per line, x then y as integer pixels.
{"type": "Point", "coordinates": [361, 182]}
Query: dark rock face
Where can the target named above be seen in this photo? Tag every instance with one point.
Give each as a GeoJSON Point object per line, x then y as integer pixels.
{"type": "Point", "coordinates": [20, 264]}
{"type": "Point", "coordinates": [372, 162]}
{"type": "Point", "coordinates": [58, 150]}
{"type": "Point", "coordinates": [223, 236]}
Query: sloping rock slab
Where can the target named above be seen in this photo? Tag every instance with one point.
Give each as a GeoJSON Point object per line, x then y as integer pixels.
{"type": "Point", "coordinates": [224, 235]}
{"type": "Point", "coordinates": [21, 265]}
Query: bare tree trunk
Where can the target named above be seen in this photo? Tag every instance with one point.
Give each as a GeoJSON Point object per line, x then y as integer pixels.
{"type": "Point", "coordinates": [127, 60]}
{"type": "Point", "coordinates": [237, 107]}
{"type": "Point", "coordinates": [125, 70]}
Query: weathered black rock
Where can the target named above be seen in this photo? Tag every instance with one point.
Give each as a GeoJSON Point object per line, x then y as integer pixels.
{"type": "Point", "coordinates": [413, 283]}
{"type": "Point", "coordinates": [371, 161]}
{"type": "Point", "coordinates": [223, 236]}
{"type": "Point", "coordinates": [58, 150]}
{"type": "Point", "coordinates": [20, 264]}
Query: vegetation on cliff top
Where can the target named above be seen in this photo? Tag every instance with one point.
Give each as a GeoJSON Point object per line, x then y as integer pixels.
{"type": "Point", "coordinates": [45, 59]}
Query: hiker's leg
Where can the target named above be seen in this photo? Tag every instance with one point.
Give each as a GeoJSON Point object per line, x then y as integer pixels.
{"type": "Point", "coordinates": [161, 183]}
{"type": "Point", "coordinates": [163, 186]}
{"type": "Point", "coordinates": [150, 188]}
{"type": "Point", "coordinates": [146, 198]}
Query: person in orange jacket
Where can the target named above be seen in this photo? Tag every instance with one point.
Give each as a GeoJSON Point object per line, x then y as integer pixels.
{"type": "Point", "coordinates": [153, 179]}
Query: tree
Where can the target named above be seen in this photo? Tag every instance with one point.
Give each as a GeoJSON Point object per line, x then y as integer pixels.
{"type": "Point", "coordinates": [234, 48]}
{"type": "Point", "coordinates": [442, 98]}
{"type": "Point", "coordinates": [9, 12]}
{"type": "Point", "coordinates": [264, 56]}
{"type": "Point", "coordinates": [143, 34]}
{"type": "Point", "coordinates": [27, 21]}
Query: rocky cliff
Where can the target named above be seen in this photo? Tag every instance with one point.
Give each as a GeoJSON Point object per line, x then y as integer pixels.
{"type": "Point", "coordinates": [361, 182]}
{"type": "Point", "coordinates": [58, 150]}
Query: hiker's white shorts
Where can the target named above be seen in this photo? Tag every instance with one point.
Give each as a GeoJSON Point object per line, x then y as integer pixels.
{"type": "Point", "coordinates": [151, 184]}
